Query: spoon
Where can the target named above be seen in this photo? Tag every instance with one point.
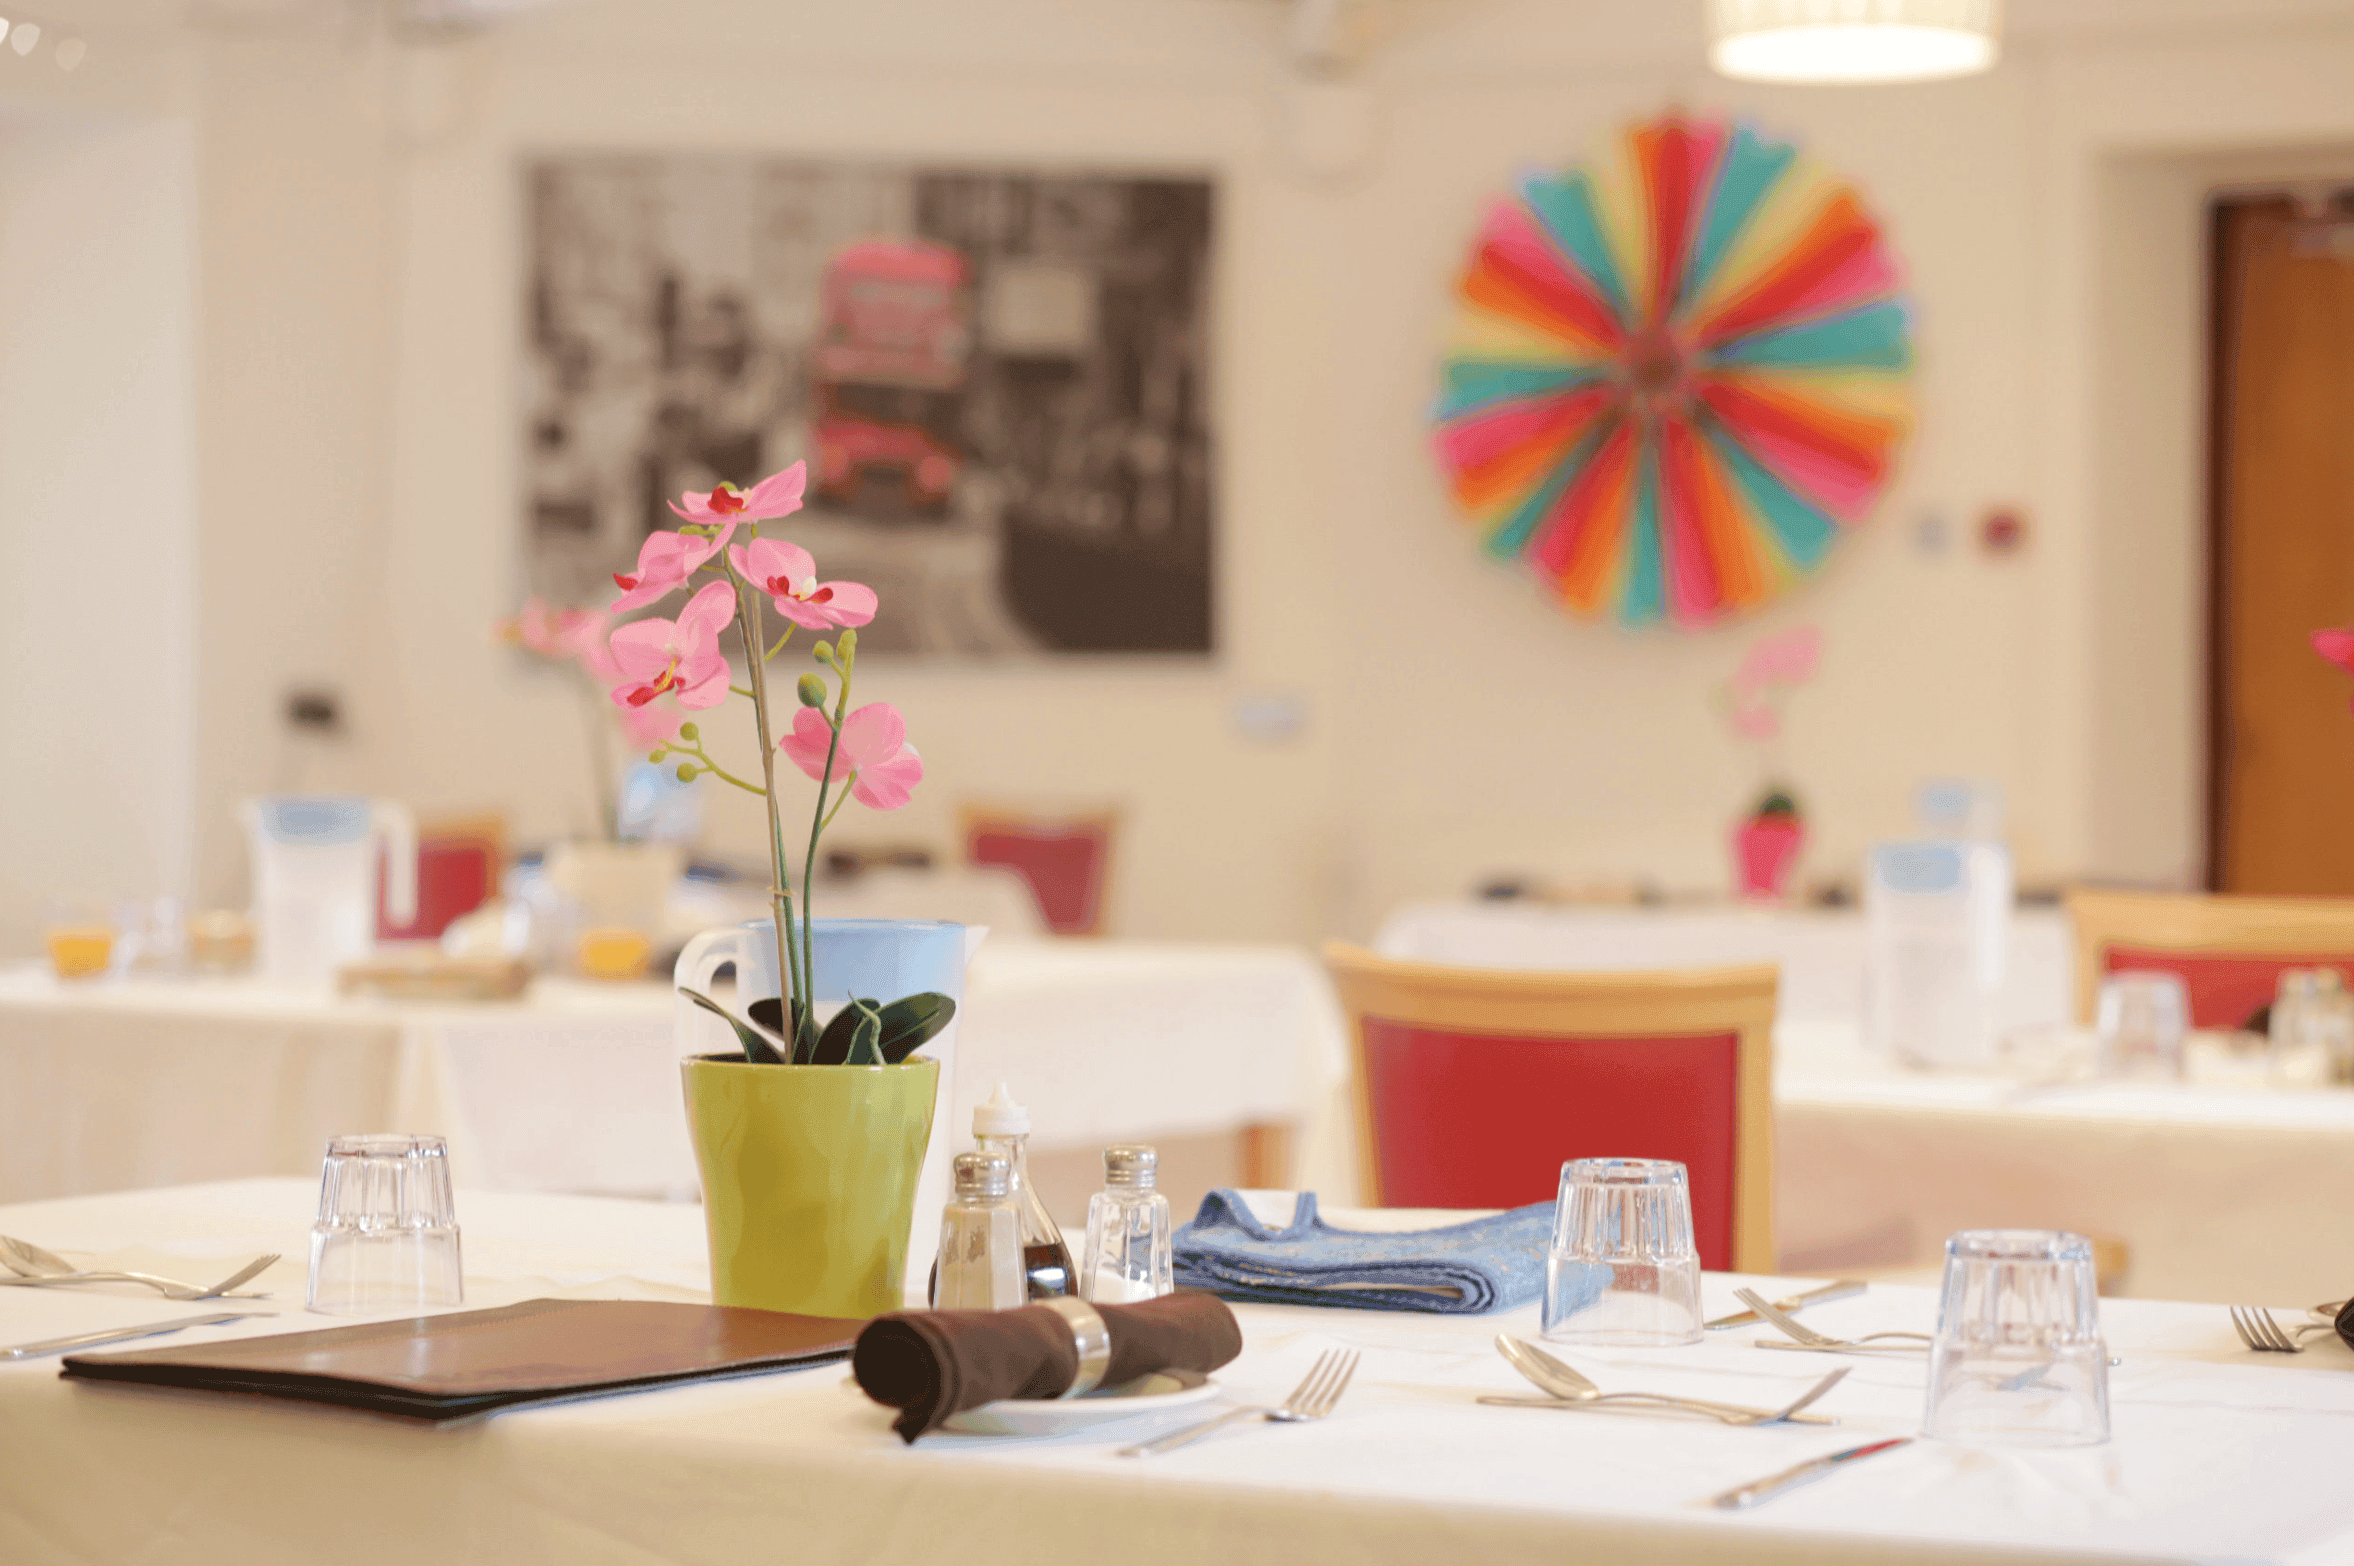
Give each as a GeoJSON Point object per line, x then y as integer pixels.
{"type": "Point", "coordinates": [1568, 1387]}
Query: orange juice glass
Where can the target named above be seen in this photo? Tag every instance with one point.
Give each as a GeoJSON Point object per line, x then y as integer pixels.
{"type": "Point", "coordinates": [614, 953]}
{"type": "Point", "coordinates": [80, 951]}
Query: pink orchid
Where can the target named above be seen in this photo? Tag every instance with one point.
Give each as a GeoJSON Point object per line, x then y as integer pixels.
{"type": "Point", "coordinates": [657, 657]}
{"type": "Point", "coordinates": [789, 576]}
{"type": "Point", "coordinates": [2337, 645]}
{"type": "Point", "coordinates": [1756, 720]}
{"type": "Point", "coordinates": [882, 767]}
{"type": "Point", "coordinates": [1787, 658]}
{"type": "Point", "coordinates": [547, 631]}
{"type": "Point", "coordinates": [778, 495]}
{"type": "Point", "coordinates": [651, 725]}
{"type": "Point", "coordinates": [665, 561]}
{"type": "Point", "coordinates": [584, 641]}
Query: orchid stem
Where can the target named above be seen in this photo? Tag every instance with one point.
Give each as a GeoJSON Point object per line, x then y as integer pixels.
{"type": "Point", "coordinates": [819, 820]}
{"type": "Point", "coordinates": [794, 982]}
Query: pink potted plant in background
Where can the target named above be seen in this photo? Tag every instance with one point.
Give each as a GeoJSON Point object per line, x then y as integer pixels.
{"type": "Point", "coordinates": [1767, 841]}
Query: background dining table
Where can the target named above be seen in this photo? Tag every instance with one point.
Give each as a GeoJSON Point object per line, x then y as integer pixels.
{"type": "Point", "coordinates": [2218, 1454]}
{"type": "Point", "coordinates": [574, 1087]}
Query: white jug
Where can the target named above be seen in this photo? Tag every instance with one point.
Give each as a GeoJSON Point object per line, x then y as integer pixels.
{"type": "Point", "coordinates": [314, 879]}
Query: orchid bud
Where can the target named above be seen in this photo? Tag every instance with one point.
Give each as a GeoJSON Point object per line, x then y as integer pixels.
{"type": "Point", "coordinates": [687, 731]}
{"type": "Point", "coordinates": [811, 690]}
{"type": "Point", "coordinates": [686, 772]}
{"type": "Point", "coordinates": [849, 644]}
{"type": "Point", "coordinates": [657, 753]}
{"type": "Point", "coordinates": [823, 652]}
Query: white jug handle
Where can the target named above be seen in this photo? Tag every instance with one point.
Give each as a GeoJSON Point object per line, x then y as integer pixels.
{"type": "Point", "coordinates": [703, 956]}
{"type": "Point", "coordinates": [390, 820]}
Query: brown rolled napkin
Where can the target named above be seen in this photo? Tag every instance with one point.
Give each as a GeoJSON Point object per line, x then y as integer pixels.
{"type": "Point", "coordinates": [930, 1364]}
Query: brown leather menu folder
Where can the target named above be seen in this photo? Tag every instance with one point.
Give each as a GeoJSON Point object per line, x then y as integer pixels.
{"type": "Point", "coordinates": [469, 1363]}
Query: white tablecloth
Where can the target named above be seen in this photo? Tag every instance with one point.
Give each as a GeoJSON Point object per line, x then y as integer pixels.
{"type": "Point", "coordinates": [575, 1087]}
{"type": "Point", "coordinates": [2218, 1454]}
{"type": "Point", "coordinates": [1821, 951]}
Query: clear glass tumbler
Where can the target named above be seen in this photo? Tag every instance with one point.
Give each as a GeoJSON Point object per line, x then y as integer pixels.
{"type": "Point", "coordinates": [387, 1235]}
{"type": "Point", "coordinates": [1632, 1219]}
{"type": "Point", "coordinates": [2312, 1028]}
{"type": "Point", "coordinates": [2018, 1359]}
{"type": "Point", "coordinates": [2141, 1021]}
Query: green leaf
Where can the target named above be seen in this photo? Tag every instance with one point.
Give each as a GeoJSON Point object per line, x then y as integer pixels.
{"type": "Point", "coordinates": [833, 1045]}
{"type": "Point", "coordinates": [758, 1049]}
{"type": "Point", "coordinates": [769, 1012]}
{"type": "Point", "coordinates": [909, 1022]}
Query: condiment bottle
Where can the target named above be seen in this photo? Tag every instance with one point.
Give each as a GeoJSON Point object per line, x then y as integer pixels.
{"type": "Point", "coordinates": [981, 1238]}
{"type": "Point", "coordinates": [1003, 1126]}
{"type": "Point", "coordinates": [1127, 1252]}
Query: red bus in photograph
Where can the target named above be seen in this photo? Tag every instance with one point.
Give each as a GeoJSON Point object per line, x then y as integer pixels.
{"type": "Point", "coordinates": [888, 374]}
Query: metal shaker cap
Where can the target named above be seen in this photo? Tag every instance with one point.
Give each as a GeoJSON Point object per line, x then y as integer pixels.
{"type": "Point", "coordinates": [983, 1174]}
{"type": "Point", "coordinates": [1131, 1164]}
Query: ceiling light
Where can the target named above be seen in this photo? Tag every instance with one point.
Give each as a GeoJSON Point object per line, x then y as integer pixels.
{"type": "Point", "coordinates": [70, 52]}
{"type": "Point", "coordinates": [1851, 40]}
{"type": "Point", "coordinates": [26, 35]}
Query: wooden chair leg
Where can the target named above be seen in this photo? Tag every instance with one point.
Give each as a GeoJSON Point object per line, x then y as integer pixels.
{"type": "Point", "coordinates": [1264, 1149]}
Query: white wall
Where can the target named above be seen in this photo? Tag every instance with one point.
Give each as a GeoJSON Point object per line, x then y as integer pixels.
{"type": "Point", "coordinates": [358, 318]}
{"type": "Point", "coordinates": [97, 509]}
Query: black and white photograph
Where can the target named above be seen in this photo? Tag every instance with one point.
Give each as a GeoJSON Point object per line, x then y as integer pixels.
{"type": "Point", "coordinates": [999, 380]}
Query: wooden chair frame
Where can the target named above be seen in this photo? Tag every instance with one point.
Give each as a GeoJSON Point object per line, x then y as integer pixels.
{"type": "Point", "coordinates": [1699, 1001]}
{"type": "Point", "coordinates": [980, 815]}
{"type": "Point", "coordinates": [2201, 925]}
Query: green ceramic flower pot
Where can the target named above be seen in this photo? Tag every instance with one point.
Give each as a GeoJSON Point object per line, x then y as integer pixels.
{"type": "Point", "coordinates": [809, 1179]}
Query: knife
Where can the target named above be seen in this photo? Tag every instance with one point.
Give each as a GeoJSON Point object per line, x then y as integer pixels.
{"type": "Point", "coordinates": [1805, 1473]}
{"type": "Point", "coordinates": [1817, 1296]}
{"type": "Point", "coordinates": [124, 1334]}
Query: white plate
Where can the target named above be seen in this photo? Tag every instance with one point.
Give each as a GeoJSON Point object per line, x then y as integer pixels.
{"type": "Point", "coordinates": [1163, 1389]}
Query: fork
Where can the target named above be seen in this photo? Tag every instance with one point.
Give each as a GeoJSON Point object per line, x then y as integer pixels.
{"type": "Point", "coordinates": [37, 1267]}
{"type": "Point", "coordinates": [1804, 1336]}
{"type": "Point", "coordinates": [2260, 1332]}
{"type": "Point", "coordinates": [1310, 1401]}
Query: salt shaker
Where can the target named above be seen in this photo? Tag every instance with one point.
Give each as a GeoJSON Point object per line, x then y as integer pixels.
{"type": "Point", "coordinates": [981, 1238]}
{"type": "Point", "coordinates": [1127, 1255]}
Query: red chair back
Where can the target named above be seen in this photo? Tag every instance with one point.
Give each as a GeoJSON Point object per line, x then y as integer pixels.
{"type": "Point", "coordinates": [1474, 1085]}
{"type": "Point", "coordinates": [1066, 863]}
{"type": "Point", "coordinates": [2229, 951]}
{"type": "Point", "coordinates": [456, 874]}
{"type": "Point", "coordinates": [2224, 991]}
{"type": "Point", "coordinates": [1480, 1120]}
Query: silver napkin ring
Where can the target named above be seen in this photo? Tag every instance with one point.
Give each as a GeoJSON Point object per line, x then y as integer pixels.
{"type": "Point", "coordinates": [1090, 1336]}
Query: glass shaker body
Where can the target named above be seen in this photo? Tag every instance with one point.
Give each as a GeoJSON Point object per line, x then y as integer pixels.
{"type": "Point", "coordinates": [981, 1239]}
{"type": "Point", "coordinates": [1127, 1254]}
{"type": "Point", "coordinates": [1046, 1258]}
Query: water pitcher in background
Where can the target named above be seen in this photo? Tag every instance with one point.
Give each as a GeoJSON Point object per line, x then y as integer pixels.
{"type": "Point", "coordinates": [314, 879]}
{"type": "Point", "coordinates": [1937, 918]}
{"type": "Point", "coordinates": [1632, 1216]}
{"type": "Point", "coordinates": [1127, 1256]}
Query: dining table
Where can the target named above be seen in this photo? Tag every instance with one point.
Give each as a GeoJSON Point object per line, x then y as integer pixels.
{"type": "Point", "coordinates": [2221, 1185]}
{"type": "Point", "coordinates": [574, 1086]}
{"type": "Point", "coordinates": [2217, 1453]}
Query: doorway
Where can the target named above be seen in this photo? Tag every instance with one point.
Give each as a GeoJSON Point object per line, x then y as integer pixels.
{"type": "Point", "coordinates": [2280, 544]}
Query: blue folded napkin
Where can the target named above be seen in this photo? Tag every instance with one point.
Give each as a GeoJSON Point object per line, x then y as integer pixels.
{"type": "Point", "coordinates": [1461, 1270]}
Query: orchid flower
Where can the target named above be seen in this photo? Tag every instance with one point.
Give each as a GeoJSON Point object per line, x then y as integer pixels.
{"type": "Point", "coordinates": [882, 767]}
{"type": "Point", "coordinates": [778, 495]}
{"type": "Point", "coordinates": [789, 576]}
{"type": "Point", "coordinates": [1785, 659]}
{"type": "Point", "coordinates": [658, 657]}
{"type": "Point", "coordinates": [666, 560]}
{"type": "Point", "coordinates": [2337, 645]}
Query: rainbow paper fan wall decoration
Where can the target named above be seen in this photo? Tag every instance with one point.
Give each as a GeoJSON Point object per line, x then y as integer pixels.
{"type": "Point", "coordinates": [1679, 373]}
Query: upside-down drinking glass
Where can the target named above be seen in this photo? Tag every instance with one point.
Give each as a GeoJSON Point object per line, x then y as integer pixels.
{"type": "Point", "coordinates": [2018, 1359]}
{"type": "Point", "coordinates": [387, 1235]}
{"type": "Point", "coordinates": [1631, 1218]}
{"type": "Point", "coordinates": [2141, 1021]}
